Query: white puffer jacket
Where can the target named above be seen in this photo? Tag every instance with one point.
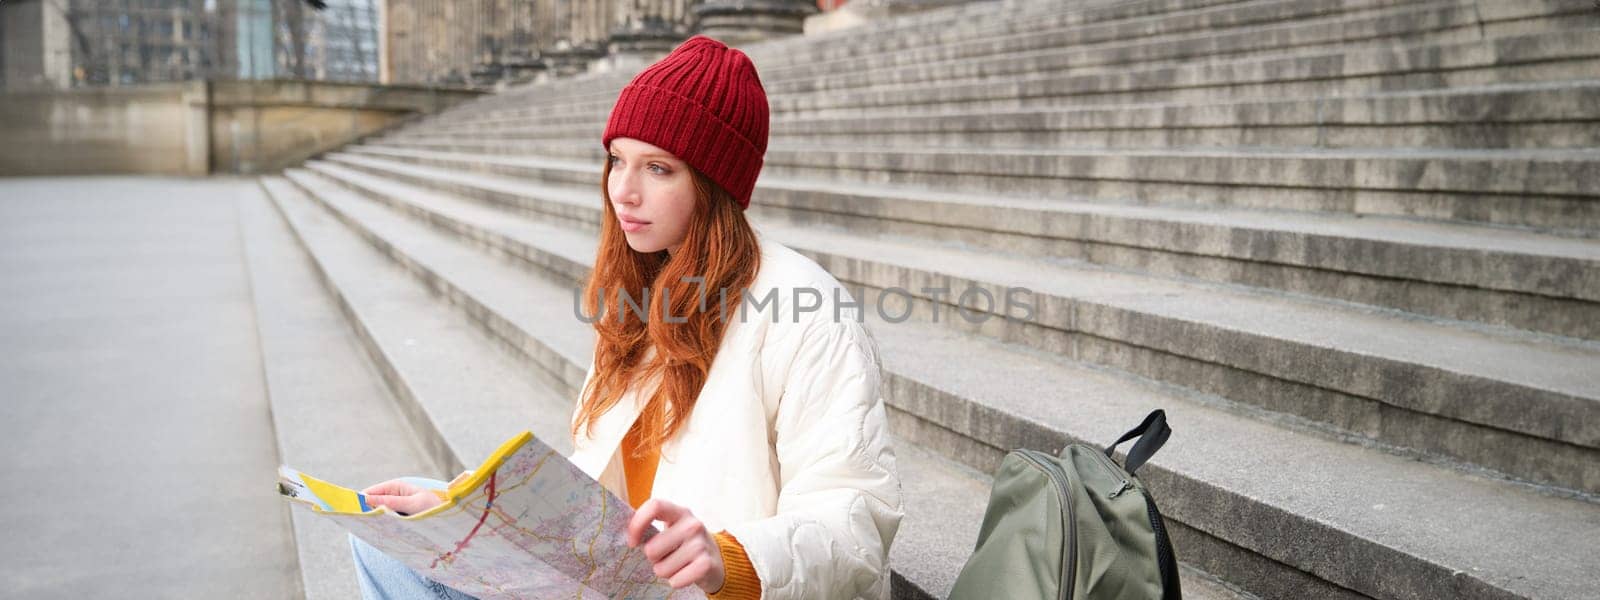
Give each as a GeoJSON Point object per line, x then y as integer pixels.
{"type": "Point", "coordinates": [787, 448]}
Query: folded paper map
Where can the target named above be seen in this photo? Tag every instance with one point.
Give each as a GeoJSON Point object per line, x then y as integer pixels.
{"type": "Point", "coordinates": [525, 524]}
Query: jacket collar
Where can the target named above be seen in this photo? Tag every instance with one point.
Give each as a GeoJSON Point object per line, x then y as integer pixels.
{"type": "Point", "coordinates": [593, 454]}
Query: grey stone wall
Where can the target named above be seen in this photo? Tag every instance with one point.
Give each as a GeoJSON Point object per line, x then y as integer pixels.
{"type": "Point", "coordinates": [197, 128]}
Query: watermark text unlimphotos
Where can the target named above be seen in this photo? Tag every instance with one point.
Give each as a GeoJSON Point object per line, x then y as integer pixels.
{"type": "Point", "coordinates": [974, 304]}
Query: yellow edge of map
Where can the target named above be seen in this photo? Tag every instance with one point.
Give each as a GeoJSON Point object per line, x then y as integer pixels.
{"type": "Point", "coordinates": [461, 488]}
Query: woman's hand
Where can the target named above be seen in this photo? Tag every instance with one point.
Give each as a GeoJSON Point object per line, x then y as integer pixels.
{"type": "Point", "coordinates": [685, 553]}
{"type": "Point", "coordinates": [404, 497]}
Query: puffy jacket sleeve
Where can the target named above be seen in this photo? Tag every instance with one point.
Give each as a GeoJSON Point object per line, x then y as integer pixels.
{"type": "Point", "coordinates": [839, 502]}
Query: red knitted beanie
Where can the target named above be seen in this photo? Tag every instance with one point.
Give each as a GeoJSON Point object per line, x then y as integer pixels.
{"type": "Point", "coordinates": [705, 105]}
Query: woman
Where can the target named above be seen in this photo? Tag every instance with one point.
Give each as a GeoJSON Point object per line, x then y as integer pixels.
{"type": "Point", "coordinates": [742, 410]}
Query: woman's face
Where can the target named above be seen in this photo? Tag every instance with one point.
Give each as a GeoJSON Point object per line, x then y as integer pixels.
{"type": "Point", "coordinates": [652, 193]}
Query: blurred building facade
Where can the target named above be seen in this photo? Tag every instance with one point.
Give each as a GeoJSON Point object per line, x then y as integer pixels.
{"type": "Point", "coordinates": [485, 41]}
{"type": "Point", "coordinates": [68, 43]}
{"type": "Point", "coordinates": [338, 43]}
{"type": "Point", "coordinates": [78, 43]}
{"type": "Point", "coordinates": [60, 44]}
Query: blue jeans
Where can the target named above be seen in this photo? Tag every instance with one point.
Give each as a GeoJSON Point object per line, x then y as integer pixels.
{"type": "Point", "coordinates": [384, 578]}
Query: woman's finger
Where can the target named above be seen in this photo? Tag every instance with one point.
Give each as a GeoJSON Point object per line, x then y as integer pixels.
{"type": "Point", "coordinates": [667, 512]}
{"type": "Point", "coordinates": [409, 504]}
{"type": "Point", "coordinates": [401, 504]}
{"type": "Point", "coordinates": [641, 519]}
{"type": "Point", "coordinates": [691, 574]}
{"type": "Point", "coordinates": [651, 511]}
{"type": "Point", "coordinates": [680, 557]}
{"type": "Point", "coordinates": [688, 531]}
{"type": "Point", "coordinates": [392, 487]}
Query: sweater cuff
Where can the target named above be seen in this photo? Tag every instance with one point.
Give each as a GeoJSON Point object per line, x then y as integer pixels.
{"type": "Point", "coordinates": [740, 581]}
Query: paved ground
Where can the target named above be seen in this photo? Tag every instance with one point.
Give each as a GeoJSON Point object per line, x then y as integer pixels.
{"type": "Point", "coordinates": [134, 422]}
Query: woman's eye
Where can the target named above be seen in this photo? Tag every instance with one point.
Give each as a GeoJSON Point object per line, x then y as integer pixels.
{"type": "Point", "coordinates": [612, 159]}
{"type": "Point", "coordinates": [659, 170]}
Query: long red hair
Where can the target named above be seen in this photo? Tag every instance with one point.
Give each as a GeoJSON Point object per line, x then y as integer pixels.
{"type": "Point", "coordinates": [719, 246]}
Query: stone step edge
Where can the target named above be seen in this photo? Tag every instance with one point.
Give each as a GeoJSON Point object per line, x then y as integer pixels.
{"type": "Point", "coordinates": [1407, 171]}
{"type": "Point", "coordinates": [559, 164]}
{"type": "Point", "coordinates": [778, 47]}
{"type": "Point", "coordinates": [1378, 5]}
{"type": "Point", "coordinates": [1207, 115]}
{"type": "Point", "coordinates": [793, 58]}
{"type": "Point", "coordinates": [846, 77]}
{"type": "Point", "coordinates": [601, 101]}
{"type": "Point", "coordinates": [1146, 179]}
{"type": "Point", "coordinates": [1513, 52]}
{"type": "Point", "coordinates": [942, 202]}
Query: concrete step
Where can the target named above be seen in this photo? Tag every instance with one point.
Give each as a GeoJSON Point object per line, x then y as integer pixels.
{"type": "Point", "coordinates": [1517, 59]}
{"type": "Point", "coordinates": [933, 547]}
{"type": "Point", "coordinates": [1540, 57]}
{"type": "Point", "coordinates": [1495, 276]}
{"type": "Point", "coordinates": [1257, 35]}
{"type": "Point", "coordinates": [786, 62]}
{"type": "Point", "coordinates": [461, 393]}
{"type": "Point", "coordinates": [1539, 115]}
{"type": "Point", "coordinates": [1240, 344]}
{"type": "Point", "coordinates": [997, 32]}
{"type": "Point", "coordinates": [1534, 188]}
{"type": "Point", "coordinates": [1011, 45]}
{"type": "Point", "coordinates": [1530, 58]}
{"type": "Point", "coordinates": [1231, 30]}
{"type": "Point", "coordinates": [589, 121]}
{"type": "Point", "coordinates": [1305, 516]}
{"type": "Point", "coordinates": [1022, 31]}
{"type": "Point", "coordinates": [1322, 362]}
{"type": "Point", "coordinates": [516, 98]}
{"type": "Point", "coordinates": [332, 412]}
{"type": "Point", "coordinates": [521, 95]}
{"type": "Point", "coordinates": [954, 24]}
{"type": "Point", "coordinates": [597, 83]}
{"type": "Point", "coordinates": [1546, 189]}
{"type": "Point", "coordinates": [995, 17]}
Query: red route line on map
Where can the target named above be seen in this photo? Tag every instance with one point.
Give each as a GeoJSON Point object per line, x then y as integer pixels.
{"type": "Point", "coordinates": [462, 545]}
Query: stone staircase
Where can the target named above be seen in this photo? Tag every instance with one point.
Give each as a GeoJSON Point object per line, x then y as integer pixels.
{"type": "Point", "coordinates": [1351, 246]}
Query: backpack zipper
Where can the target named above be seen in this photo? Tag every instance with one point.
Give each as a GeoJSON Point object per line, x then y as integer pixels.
{"type": "Point", "coordinates": [1058, 476]}
{"type": "Point", "coordinates": [1115, 471]}
{"type": "Point", "coordinates": [1166, 560]}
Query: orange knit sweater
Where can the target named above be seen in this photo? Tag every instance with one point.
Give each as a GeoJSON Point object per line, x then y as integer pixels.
{"type": "Point", "coordinates": [741, 581]}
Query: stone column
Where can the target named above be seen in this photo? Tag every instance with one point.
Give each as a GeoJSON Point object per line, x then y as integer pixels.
{"type": "Point", "coordinates": [645, 30]}
{"type": "Point", "coordinates": [521, 58]}
{"type": "Point", "coordinates": [488, 41]}
{"type": "Point", "coordinates": [584, 37]}
{"type": "Point", "coordinates": [737, 22]}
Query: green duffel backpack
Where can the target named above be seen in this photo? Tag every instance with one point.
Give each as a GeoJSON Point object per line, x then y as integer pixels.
{"type": "Point", "coordinates": [1074, 526]}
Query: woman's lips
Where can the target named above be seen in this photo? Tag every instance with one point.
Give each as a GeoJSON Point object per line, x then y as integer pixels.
{"type": "Point", "coordinates": [631, 226]}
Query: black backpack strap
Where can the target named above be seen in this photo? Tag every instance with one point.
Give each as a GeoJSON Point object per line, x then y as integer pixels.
{"type": "Point", "coordinates": [1152, 434]}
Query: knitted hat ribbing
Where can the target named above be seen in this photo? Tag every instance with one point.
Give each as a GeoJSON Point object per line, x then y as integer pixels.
{"type": "Point", "coordinates": [703, 103]}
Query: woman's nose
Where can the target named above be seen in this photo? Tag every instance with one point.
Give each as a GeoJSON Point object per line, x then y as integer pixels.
{"type": "Point", "coordinates": [623, 190]}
